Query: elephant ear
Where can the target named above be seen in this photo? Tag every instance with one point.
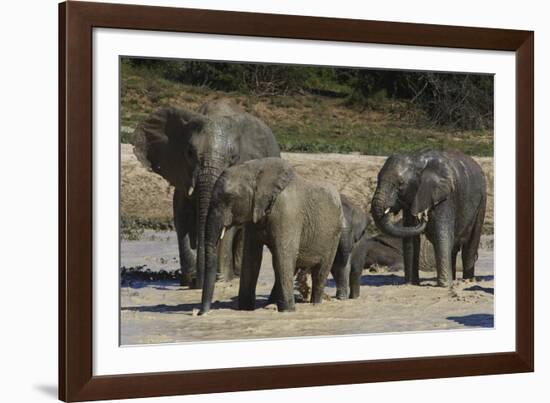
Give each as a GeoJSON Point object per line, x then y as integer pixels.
{"type": "Point", "coordinates": [272, 178]}
{"type": "Point", "coordinates": [436, 184]}
{"type": "Point", "coordinates": [163, 129]}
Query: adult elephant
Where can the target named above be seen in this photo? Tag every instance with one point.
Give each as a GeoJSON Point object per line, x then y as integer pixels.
{"type": "Point", "coordinates": [191, 150]}
{"type": "Point", "coordinates": [441, 193]}
{"type": "Point", "coordinates": [298, 220]}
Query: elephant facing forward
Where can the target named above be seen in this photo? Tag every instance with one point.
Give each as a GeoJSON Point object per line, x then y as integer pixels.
{"type": "Point", "coordinates": [441, 193]}
{"type": "Point", "coordinates": [190, 150]}
{"type": "Point", "coordinates": [298, 220]}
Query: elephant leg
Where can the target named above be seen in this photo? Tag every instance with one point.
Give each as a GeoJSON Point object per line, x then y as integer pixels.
{"type": "Point", "coordinates": [284, 265]}
{"type": "Point", "coordinates": [469, 249]}
{"type": "Point", "coordinates": [355, 281]}
{"type": "Point", "coordinates": [358, 260]}
{"type": "Point", "coordinates": [443, 248]}
{"type": "Point", "coordinates": [317, 286]}
{"type": "Point", "coordinates": [183, 221]}
{"type": "Point", "coordinates": [416, 260]}
{"type": "Point", "coordinates": [252, 261]}
{"type": "Point", "coordinates": [341, 273]}
{"type": "Point", "coordinates": [453, 262]}
{"type": "Point", "coordinates": [188, 260]}
{"type": "Point", "coordinates": [411, 252]}
{"type": "Point", "coordinates": [318, 279]}
{"type": "Point", "coordinates": [238, 246]}
{"type": "Point", "coordinates": [341, 265]}
{"type": "Point", "coordinates": [225, 255]}
{"type": "Point", "coordinates": [274, 292]}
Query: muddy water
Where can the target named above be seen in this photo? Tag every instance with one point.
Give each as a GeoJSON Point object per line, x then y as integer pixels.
{"type": "Point", "coordinates": [162, 311]}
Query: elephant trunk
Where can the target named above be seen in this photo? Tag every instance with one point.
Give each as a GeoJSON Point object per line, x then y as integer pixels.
{"type": "Point", "coordinates": [382, 201]}
{"type": "Point", "coordinates": [214, 232]}
{"type": "Point", "coordinates": [207, 179]}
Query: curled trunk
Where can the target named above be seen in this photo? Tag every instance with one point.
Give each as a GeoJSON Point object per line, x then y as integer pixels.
{"type": "Point", "coordinates": [381, 201]}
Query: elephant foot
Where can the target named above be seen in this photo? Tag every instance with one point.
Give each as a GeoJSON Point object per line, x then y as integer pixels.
{"type": "Point", "coordinates": [286, 308]}
{"type": "Point", "coordinates": [188, 281]}
{"type": "Point", "coordinates": [342, 296]}
{"type": "Point", "coordinates": [246, 305]}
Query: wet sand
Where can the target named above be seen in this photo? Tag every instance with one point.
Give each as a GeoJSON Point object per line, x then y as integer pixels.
{"type": "Point", "coordinates": [162, 311]}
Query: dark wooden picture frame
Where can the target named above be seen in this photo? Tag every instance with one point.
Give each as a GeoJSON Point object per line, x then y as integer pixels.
{"type": "Point", "coordinates": [76, 23]}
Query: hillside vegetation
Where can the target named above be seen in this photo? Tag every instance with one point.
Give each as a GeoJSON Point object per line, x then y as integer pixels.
{"type": "Point", "coordinates": [324, 118]}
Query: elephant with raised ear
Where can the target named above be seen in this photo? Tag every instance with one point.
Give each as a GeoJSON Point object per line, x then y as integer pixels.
{"type": "Point", "coordinates": [191, 150]}
{"type": "Point", "coordinates": [441, 193]}
{"type": "Point", "coordinates": [298, 220]}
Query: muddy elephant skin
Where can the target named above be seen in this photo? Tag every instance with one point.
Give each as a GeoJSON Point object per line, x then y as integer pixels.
{"type": "Point", "coordinates": [347, 275]}
{"type": "Point", "coordinates": [440, 193]}
{"type": "Point", "coordinates": [298, 220]}
{"type": "Point", "coordinates": [191, 150]}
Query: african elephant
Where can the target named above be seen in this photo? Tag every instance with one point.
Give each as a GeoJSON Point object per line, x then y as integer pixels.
{"type": "Point", "coordinates": [441, 193]}
{"type": "Point", "coordinates": [191, 150]}
{"type": "Point", "coordinates": [298, 220]}
{"type": "Point", "coordinates": [380, 250]}
{"type": "Point", "coordinates": [347, 275]}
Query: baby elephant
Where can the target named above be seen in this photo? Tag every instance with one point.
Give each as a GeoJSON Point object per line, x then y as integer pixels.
{"type": "Point", "coordinates": [298, 220]}
{"type": "Point", "coordinates": [346, 274]}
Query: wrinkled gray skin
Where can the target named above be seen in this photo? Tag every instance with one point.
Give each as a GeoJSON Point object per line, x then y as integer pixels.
{"type": "Point", "coordinates": [441, 193]}
{"type": "Point", "coordinates": [347, 275]}
{"type": "Point", "coordinates": [379, 250]}
{"type": "Point", "coordinates": [298, 220]}
{"type": "Point", "coordinates": [191, 150]}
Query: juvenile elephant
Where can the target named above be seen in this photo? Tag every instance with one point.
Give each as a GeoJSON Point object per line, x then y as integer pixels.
{"type": "Point", "coordinates": [441, 193]}
{"type": "Point", "coordinates": [191, 150]}
{"type": "Point", "coordinates": [347, 275]}
{"type": "Point", "coordinates": [298, 220]}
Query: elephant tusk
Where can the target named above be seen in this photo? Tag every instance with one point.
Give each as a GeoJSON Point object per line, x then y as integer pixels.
{"type": "Point", "coordinates": [387, 211]}
{"type": "Point", "coordinates": [223, 233]}
{"type": "Point", "coordinates": [190, 192]}
{"type": "Point", "coordinates": [425, 215]}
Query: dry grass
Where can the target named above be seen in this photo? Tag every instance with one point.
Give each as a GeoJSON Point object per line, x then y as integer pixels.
{"type": "Point", "coordinates": [306, 122]}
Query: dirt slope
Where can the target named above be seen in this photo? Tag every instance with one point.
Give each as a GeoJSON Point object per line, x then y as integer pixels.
{"type": "Point", "coordinates": [147, 196]}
